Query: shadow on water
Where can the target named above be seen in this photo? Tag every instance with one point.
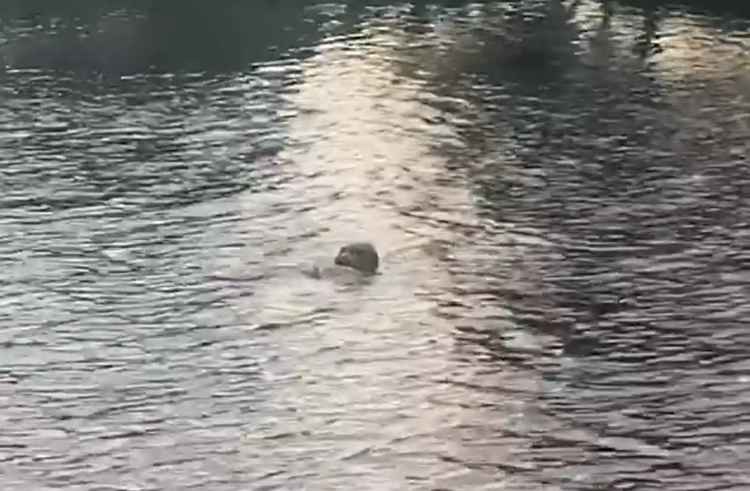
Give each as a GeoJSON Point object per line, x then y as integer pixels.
{"type": "Point", "coordinates": [143, 36]}
{"type": "Point", "coordinates": [701, 7]}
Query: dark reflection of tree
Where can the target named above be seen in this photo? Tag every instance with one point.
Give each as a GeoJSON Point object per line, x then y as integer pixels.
{"type": "Point", "coordinates": [82, 49]}
{"type": "Point", "coordinates": [136, 37]}
{"type": "Point", "coordinates": [642, 202]}
{"type": "Point", "coordinates": [648, 41]}
{"type": "Point", "coordinates": [698, 7]}
{"type": "Point", "coordinates": [600, 134]}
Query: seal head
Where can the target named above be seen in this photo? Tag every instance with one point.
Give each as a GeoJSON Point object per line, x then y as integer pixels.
{"type": "Point", "coordinates": [361, 256]}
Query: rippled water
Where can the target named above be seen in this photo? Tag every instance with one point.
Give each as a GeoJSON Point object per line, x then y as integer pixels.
{"type": "Point", "coordinates": [557, 192]}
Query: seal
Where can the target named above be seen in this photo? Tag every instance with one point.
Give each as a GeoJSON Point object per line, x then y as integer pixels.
{"type": "Point", "coordinates": [361, 256]}
{"type": "Point", "coordinates": [355, 260]}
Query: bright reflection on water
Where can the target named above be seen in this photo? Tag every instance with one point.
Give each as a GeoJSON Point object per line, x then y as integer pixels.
{"type": "Point", "coordinates": [556, 193]}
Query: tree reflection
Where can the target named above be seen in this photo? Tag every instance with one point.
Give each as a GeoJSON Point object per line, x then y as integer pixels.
{"type": "Point", "coordinates": [136, 37]}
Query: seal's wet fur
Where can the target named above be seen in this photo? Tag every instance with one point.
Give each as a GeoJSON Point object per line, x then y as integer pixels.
{"type": "Point", "coordinates": [361, 256]}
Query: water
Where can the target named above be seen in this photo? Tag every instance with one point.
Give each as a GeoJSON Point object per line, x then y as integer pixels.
{"type": "Point", "coordinates": [557, 192]}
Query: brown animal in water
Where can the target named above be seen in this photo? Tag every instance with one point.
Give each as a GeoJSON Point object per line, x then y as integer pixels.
{"type": "Point", "coordinates": [361, 256]}
{"type": "Point", "coordinates": [358, 257]}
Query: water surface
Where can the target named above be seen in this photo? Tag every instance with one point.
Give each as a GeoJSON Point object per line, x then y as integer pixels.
{"type": "Point", "coordinates": [557, 192]}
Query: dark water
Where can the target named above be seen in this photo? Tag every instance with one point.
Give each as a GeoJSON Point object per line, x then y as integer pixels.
{"type": "Point", "coordinates": [558, 193]}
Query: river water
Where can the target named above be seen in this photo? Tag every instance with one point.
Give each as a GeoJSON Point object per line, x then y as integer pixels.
{"type": "Point", "coordinates": [557, 191]}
